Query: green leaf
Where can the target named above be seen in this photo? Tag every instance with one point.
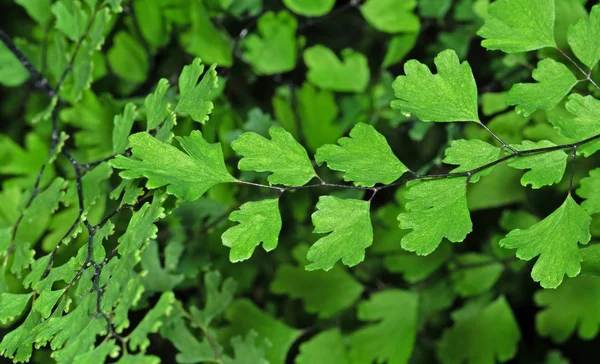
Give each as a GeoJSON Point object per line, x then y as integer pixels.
{"type": "Point", "coordinates": [471, 154]}
{"type": "Point", "coordinates": [93, 117]}
{"type": "Point", "coordinates": [325, 348]}
{"type": "Point", "coordinates": [434, 8]}
{"type": "Point", "coordinates": [349, 223]}
{"type": "Point", "coordinates": [282, 155]}
{"type": "Point", "coordinates": [204, 40]}
{"type": "Point", "coordinates": [544, 168]}
{"type": "Point", "coordinates": [122, 129]}
{"type": "Point", "coordinates": [326, 71]}
{"type": "Point", "coordinates": [39, 10]}
{"type": "Point", "coordinates": [436, 209]}
{"type": "Point", "coordinates": [260, 221]}
{"type": "Point", "coordinates": [449, 95]}
{"type": "Point", "coordinates": [195, 97]}
{"type": "Point", "coordinates": [245, 317]}
{"type": "Point", "coordinates": [138, 338]}
{"type": "Point", "coordinates": [473, 274]}
{"type": "Point", "coordinates": [555, 240]}
{"type": "Point", "coordinates": [127, 58]}
{"type": "Point", "coordinates": [414, 267]}
{"type": "Point", "coordinates": [18, 160]}
{"type": "Point", "coordinates": [12, 73]}
{"type": "Point", "coordinates": [190, 349]}
{"type": "Point", "coordinates": [484, 336]}
{"type": "Point", "coordinates": [323, 293]}
{"type": "Point", "coordinates": [218, 297]}
{"type": "Point", "coordinates": [317, 111]}
{"type": "Point", "coordinates": [395, 315]}
{"type": "Point", "coordinates": [17, 344]}
{"type": "Point", "coordinates": [572, 306]}
{"type": "Point", "coordinates": [153, 26]}
{"type": "Point", "coordinates": [365, 157]}
{"type": "Point", "coordinates": [186, 175]}
{"type": "Point", "coordinates": [391, 16]}
{"type": "Point", "coordinates": [582, 38]}
{"type": "Point", "coordinates": [589, 188]}
{"type": "Point", "coordinates": [156, 105]}
{"type": "Point", "coordinates": [398, 48]}
{"type": "Point", "coordinates": [46, 301]}
{"type": "Point", "coordinates": [138, 358]}
{"type": "Point", "coordinates": [275, 49]}
{"type": "Point", "coordinates": [157, 278]}
{"type": "Point", "coordinates": [583, 124]}
{"type": "Point", "coordinates": [514, 26]}
{"type": "Point", "coordinates": [99, 354]}
{"type": "Point", "coordinates": [555, 82]}
{"type": "Point", "coordinates": [248, 351]}
{"type": "Point", "coordinates": [310, 7]}
{"type": "Point", "coordinates": [12, 305]}
{"type": "Point", "coordinates": [493, 102]}
{"type": "Point", "coordinates": [80, 77]}
{"type": "Point", "coordinates": [71, 19]}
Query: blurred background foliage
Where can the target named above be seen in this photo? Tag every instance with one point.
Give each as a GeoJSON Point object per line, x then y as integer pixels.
{"type": "Point", "coordinates": [278, 64]}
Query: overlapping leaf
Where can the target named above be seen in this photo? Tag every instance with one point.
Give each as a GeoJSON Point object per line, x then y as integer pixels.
{"type": "Point", "coordinates": [555, 81]}
{"type": "Point", "coordinates": [516, 26]}
{"type": "Point", "coordinates": [282, 155]}
{"type": "Point", "coordinates": [187, 175]}
{"type": "Point", "coordinates": [329, 73]}
{"type": "Point", "coordinates": [436, 209]}
{"type": "Point", "coordinates": [572, 306]}
{"type": "Point", "coordinates": [275, 49]}
{"type": "Point", "coordinates": [259, 222]}
{"type": "Point", "coordinates": [583, 124]}
{"type": "Point", "coordinates": [391, 16]}
{"type": "Point", "coordinates": [365, 157]}
{"type": "Point", "coordinates": [589, 188]}
{"type": "Point", "coordinates": [395, 315]}
{"type": "Point", "coordinates": [582, 38]}
{"type": "Point", "coordinates": [310, 7]}
{"type": "Point", "coordinates": [544, 168]}
{"type": "Point", "coordinates": [449, 95]}
{"type": "Point", "coordinates": [471, 154]}
{"type": "Point", "coordinates": [555, 239]}
{"type": "Point", "coordinates": [195, 96]}
{"type": "Point", "coordinates": [481, 335]}
{"type": "Point", "coordinates": [348, 223]}
{"type": "Point", "coordinates": [324, 293]}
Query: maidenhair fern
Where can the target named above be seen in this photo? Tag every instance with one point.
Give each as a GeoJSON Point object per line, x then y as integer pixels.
{"type": "Point", "coordinates": [103, 222]}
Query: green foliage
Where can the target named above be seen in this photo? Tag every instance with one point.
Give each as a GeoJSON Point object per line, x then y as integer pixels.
{"type": "Point", "coordinates": [437, 209]}
{"type": "Point", "coordinates": [150, 147]}
{"type": "Point", "coordinates": [282, 155]}
{"type": "Point", "coordinates": [555, 82]}
{"type": "Point", "coordinates": [366, 344]}
{"type": "Point", "coordinates": [365, 157]}
{"type": "Point", "coordinates": [259, 222]}
{"type": "Point", "coordinates": [310, 7]}
{"type": "Point", "coordinates": [350, 232]}
{"type": "Point", "coordinates": [187, 175]}
{"type": "Point", "coordinates": [329, 73]}
{"type": "Point", "coordinates": [555, 240]}
{"type": "Point", "coordinates": [519, 26]}
{"type": "Point", "coordinates": [391, 16]}
{"type": "Point", "coordinates": [581, 38]}
{"type": "Point", "coordinates": [449, 95]}
{"type": "Point", "coordinates": [274, 49]}
{"type": "Point", "coordinates": [569, 307]}
{"type": "Point", "coordinates": [482, 333]}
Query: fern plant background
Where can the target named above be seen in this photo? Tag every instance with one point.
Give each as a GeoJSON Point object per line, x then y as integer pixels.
{"type": "Point", "coordinates": [247, 181]}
